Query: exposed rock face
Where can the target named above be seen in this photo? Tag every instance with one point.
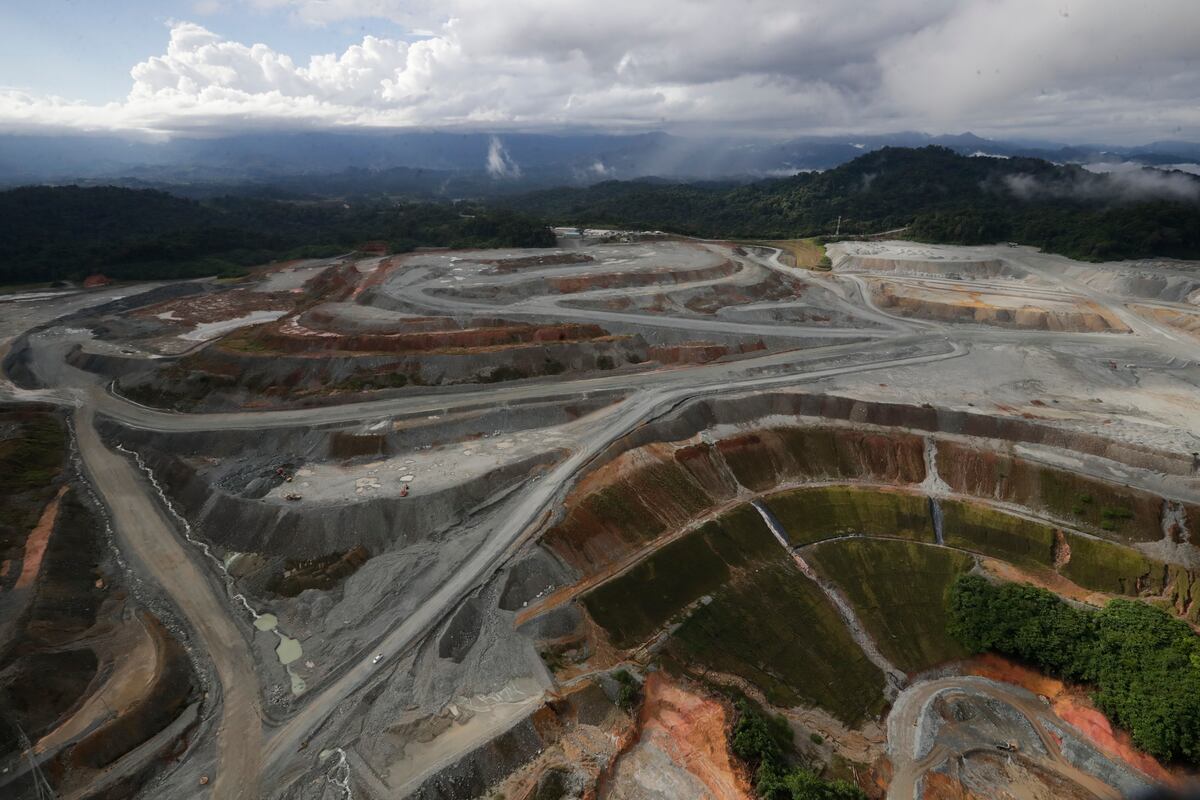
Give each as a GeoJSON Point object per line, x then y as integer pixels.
{"type": "Point", "coordinates": [681, 749]}
{"type": "Point", "coordinates": [560, 750]}
{"type": "Point", "coordinates": [658, 488]}
{"type": "Point", "coordinates": [1107, 509]}
{"type": "Point", "coordinates": [1006, 311]}
{"type": "Point", "coordinates": [988, 268]}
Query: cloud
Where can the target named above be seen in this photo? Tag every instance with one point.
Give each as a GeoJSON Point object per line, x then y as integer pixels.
{"type": "Point", "coordinates": [1099, 68]}
{"type": "Point", "coordinates": [1122, 183]}
{"type": "Point", "coordinates": [499, 163]}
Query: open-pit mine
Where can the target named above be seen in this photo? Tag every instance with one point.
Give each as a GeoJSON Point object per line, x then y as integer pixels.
{"type": "Point", "coordinates": [557, 523]}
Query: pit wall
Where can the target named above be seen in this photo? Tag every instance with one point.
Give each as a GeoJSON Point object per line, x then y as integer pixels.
{"type": "Point", "coordinates": [749, 409]}
{"type": "Point", "coordinates": [335, 442]}
{"type": "Point", "coordinates": [243, 524]}
{"type": "Point", "coordinates": [220, 378]}
{"type": "Point", "coordinates": [659, 488]}
{"type": "Point", "coordinates": [990, 268]}
{"type": "Point", "coordinates": [1083, 316]}
{"type": "Point", "coordinates": [226, 514]}
{"type": "Point", "coordinates": [505, 293]}
{"type": "Point", "coordinates": [1108, 510]}
{"type": "Point", "coordinates": [443, 335]}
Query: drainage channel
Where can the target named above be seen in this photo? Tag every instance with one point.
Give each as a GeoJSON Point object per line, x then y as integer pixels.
{"type": "Point", "coordinates": [288, 651]}
{"type": "Point", "coordinates": [896, 678]}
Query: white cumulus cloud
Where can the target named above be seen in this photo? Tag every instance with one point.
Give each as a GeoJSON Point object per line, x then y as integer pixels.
{"type": "Point", "coordinates": [1102, 68]}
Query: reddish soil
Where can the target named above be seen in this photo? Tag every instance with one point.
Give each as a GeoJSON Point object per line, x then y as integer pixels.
{"type": "Point", "coordinates": [693, 731]}
{"type": "Point", "coordinates": [618, 280]}
{"type": "Point", "coordinates": [1072, 705]}
{"type": "Point", "coordinates": [431, 337]}
{"type": "Point", "coordinates": [937, 786]}
{"type": "Point", "coordinates": [504, 266]}
{"type": "Point", "coordinates": [35, 544]}
{"type": "Point", "coordinates": [987, 473]}
{"type": "Point", "coordinates": [217, 306]}
{"type": "Point", "coordinates": [1045, 580]}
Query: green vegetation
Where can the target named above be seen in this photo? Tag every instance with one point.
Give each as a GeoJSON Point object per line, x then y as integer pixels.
{"type": "Point", "coordinates": [776, 629]}
{"type": "Point", "coordinates": [897, 589]}
{"type": "Point", "coordinates": [752, 614]}
{"type": "Point", "coordinates": [813, 514]}
{"type": "Point", "coordinates": [938, 195]}
{"type": "Point", "coordinates": [31, 458]}
{"type": "Point", "coordinates": [1143, 664]}
{"type": "Point", "coordinates": [67, 232]}
{"type": "Point", "coordinates": [1106, 567]}
{"type": "Point", "coordinates": [764, 742]}
{"type": "Point", "coordinates": [976, 527]}
{"type": "Point", "coordinates": [642, 600]}
{"type": "Point", "coordinates": [630, 693]}
{"type": "Point", "coordinates": [1099, 507]}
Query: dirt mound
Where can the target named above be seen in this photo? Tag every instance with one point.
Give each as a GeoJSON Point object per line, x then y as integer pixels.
{"type": "Point", "coordinates": [948, 268]}
{"type": "Point", "coordinates": [996, 308]}
{"type": "Point", "coordinates": [504, 266]}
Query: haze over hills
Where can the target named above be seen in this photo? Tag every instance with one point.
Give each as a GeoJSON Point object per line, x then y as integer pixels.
{"type": "Point", "coordinates": [930, 194]}
{"type": "Point", "coordinates": [439, 163]}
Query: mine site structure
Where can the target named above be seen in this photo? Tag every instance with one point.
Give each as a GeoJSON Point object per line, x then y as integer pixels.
{"type": "Point", "coordinates": [444, 519]}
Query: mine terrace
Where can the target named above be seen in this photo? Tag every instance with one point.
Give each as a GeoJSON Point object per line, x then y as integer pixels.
{"type": "Point", "coordinates": [514, 522]}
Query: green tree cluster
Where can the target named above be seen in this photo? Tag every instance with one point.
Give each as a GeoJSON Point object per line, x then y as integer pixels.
{"type": "Point", "coordinates": [67, 232]}
{"type": "Point", "coordinates": [763, 742]}
{"type": "Point", "coordinates": [1143, 664]}
{"type": "Point", "coordinates": [933, 193]}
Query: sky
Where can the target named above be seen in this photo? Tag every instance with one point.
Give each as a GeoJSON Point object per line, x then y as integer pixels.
{"type": "Point", "coordinates": [1113, 71]}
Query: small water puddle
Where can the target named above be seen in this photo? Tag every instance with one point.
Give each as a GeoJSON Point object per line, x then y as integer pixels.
{"type": "Point", "coordinates": [288, 650]}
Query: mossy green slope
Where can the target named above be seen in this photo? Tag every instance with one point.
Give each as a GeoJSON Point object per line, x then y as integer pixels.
{"type": "Point", "coordinates": [640, 601]}
{"type": "Point", "coordinates": [897, 589]}
{"type": "Point", "coordinates": [980, 529]}
{"type": "Point", "coordinates": [777, 630]}
{"type": "Point", "coordinates": [824, 512]}
{"type": "Point", "coordinates": [1106, 567]}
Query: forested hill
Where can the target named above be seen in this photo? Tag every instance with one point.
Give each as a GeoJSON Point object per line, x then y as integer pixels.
{"type": "Point", "coordinates": [51, 233]}
{"type": "Point", "coordinates": [940, 196]}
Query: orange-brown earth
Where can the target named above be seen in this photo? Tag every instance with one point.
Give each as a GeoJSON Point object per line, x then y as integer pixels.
{"type": "Point", "coordinates": [1072, 705]}
{"type": "Point", "coordinates": [627, 503]}
{"type": "Point", "coordinates": [621, 280]}
{"type": "Point", "coordinates": [217, 306]}
{"type": "Point", "coordinates": [1179, 319]}
{"type": "Point", "coordinates": [996, 308]}
{"type": "Point", "coordinates": [701, 352]}
{"type": "Point", "coordinates": [693, 730]}
{"type": "Point", "coordinates": [35, 544]}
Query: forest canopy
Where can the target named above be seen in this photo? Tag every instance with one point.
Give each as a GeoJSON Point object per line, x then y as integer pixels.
{"type": "Point", "coordinates": [67, 232]}
{"type": "Point", "coordinates": [931, 193]}
{"type": "Point", "coordinates": [1143, 664]}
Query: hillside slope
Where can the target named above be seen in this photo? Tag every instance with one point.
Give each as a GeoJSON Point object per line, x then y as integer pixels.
{"type": "Point", "coordinates": [937, 195]}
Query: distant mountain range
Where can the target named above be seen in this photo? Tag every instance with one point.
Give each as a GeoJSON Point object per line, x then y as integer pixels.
{"type": "Point", "coordinates": [446, 164]}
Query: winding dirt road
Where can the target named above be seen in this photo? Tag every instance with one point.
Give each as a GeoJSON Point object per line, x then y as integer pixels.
{"type": "Point", "coordinates": [149, 539]}
{"type": "Point", "coordinates": [915, 703]}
